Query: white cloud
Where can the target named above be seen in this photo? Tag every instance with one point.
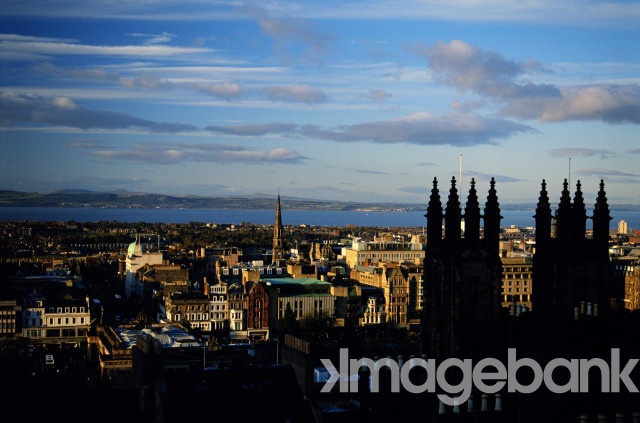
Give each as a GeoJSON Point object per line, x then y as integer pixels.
{"type": "Point", "coordinates": [174, 153]}
{"type": "Point", "coordinates": [490, 75]}
{"type": "Point", "coordinates": [13, 45]}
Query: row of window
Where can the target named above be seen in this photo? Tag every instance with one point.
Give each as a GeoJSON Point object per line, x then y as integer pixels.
{"type": "Point", "coordinates": [516, 269]}
{"type": "Point", "coordinates": [55, 321]}
{"type": "Point", "coordinates": [66, 310]}
{"type": "Point", "coordinates": [517, 275]}
{"type": "Point", "coordinates": [518, 290]}
{"type": "Point", "coordinates": [524, 283]}
{"type": "Point", "coordinates": [67, 321]}
{"type": "Point", "coordinates": [236, 271]}
{"type": "Point", "coordinates": [389, 256]}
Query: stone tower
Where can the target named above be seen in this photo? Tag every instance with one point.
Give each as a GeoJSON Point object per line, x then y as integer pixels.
{"type": "Point", "coordinates": [463, 273]}
{"type": "Point", "coordinates": [571, 270]}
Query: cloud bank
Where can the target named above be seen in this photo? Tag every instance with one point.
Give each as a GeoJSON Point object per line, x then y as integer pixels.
{"type": "Point", "coordinates": [505, 82]}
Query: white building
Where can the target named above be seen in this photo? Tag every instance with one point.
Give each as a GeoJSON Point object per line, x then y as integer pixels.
{"type": "Point", "coordinates": [623, 228]}
{"type": "Point", "coordinates": [219, 311]}
{"type": "Point", "coordinates": [374, 313]}
{"type": "Point", "coordinates": [363, 253]}
{"type": "Point", "coordinates": [137, 257]}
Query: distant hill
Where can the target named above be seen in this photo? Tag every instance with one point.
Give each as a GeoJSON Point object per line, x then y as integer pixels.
{"type": "Point", "coordinates": [83, 198]}
{"type": "Point", "coordinates": [124, 199]}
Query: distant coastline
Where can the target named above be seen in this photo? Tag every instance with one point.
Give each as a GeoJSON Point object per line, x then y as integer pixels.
{"type": "Point", "coordinates": [128, 200]}
{"type": "Point", "coordinates": [336, 218]}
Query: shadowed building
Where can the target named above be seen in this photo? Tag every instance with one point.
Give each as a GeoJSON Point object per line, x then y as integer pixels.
{"type": "Point", "coordinates": [571, 271]}
{"type": "Point", "coordinates": [463, 275]}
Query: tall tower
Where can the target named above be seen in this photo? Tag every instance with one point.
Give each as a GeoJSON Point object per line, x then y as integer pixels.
{"type": "Point", "coordinates": [278, 249]}
{"type": "Point", "coordinates": [463, 275]}
{"type": "Point", "coordinates": [571, 270]}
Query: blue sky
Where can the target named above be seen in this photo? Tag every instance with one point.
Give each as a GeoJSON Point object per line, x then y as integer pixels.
{"type": "Point", "coordinates": [349, 100]}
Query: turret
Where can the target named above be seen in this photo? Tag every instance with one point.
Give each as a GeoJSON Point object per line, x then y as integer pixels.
{"type": "Point", "coordinates": [472, 214]}
{"type": "Point", "coordinates": [579, 215]}
{"type": "Point", "coordinates": [563, 215]}
{"type": "Point", "coordinates": [434, 218]}
{"type": "Point", "coordinates": [543, 216]}
{"type": "Point", "coordinates": [601, 218]}
{"type": "Point", "coordinates": [492, 216]}
{"type": "Point", "coordinates": [452, 214]}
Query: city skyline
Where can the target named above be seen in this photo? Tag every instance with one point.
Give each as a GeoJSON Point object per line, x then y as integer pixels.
{"type": "Point", "coordinates": [348, 101]}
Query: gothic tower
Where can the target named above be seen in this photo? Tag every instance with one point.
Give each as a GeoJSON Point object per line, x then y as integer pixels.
{"type": "Point", "coordinates": [278, 248]}
{"type": "Point", "coordinates": [463, 274]}
{"type": "Point", "coordinates": [571, 272]}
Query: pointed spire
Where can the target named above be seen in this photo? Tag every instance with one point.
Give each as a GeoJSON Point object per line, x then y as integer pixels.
{"type": "Point", "coordinates": [578, 214]}
{"type": "Point", "coordinates": [601, 216]}
{"type": "Point", "coordinates": [563, 214]}
{"type": "Point", "coordinates": [434, 216]}
{"type": "Point", "coordinates": [452, 214]}
{"type": "Point", "coordinates": [543, 215]}
{"type": "Point", "coordinates": [492, 215]}
{"type": "Point", "coordinates": [472, 214]}
{"type": "Point", "coordinates": [278, 248]}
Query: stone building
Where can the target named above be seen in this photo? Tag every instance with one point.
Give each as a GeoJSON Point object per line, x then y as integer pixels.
{"type": "Point", "coordinates": [463, 275]}
{"type": "Point", "coordinates": [568, 267]}
{"type": "Point", "coordinates": [517, 283]}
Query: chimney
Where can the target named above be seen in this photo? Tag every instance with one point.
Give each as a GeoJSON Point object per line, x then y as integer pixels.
{"type": "Point", "coordinates": [441, 409]}
{"type": "Point", "coordinates": [485, 403]}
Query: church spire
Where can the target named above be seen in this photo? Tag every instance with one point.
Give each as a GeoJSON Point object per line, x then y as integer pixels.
{"type": "Point", "coordinates": [278, 249]}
